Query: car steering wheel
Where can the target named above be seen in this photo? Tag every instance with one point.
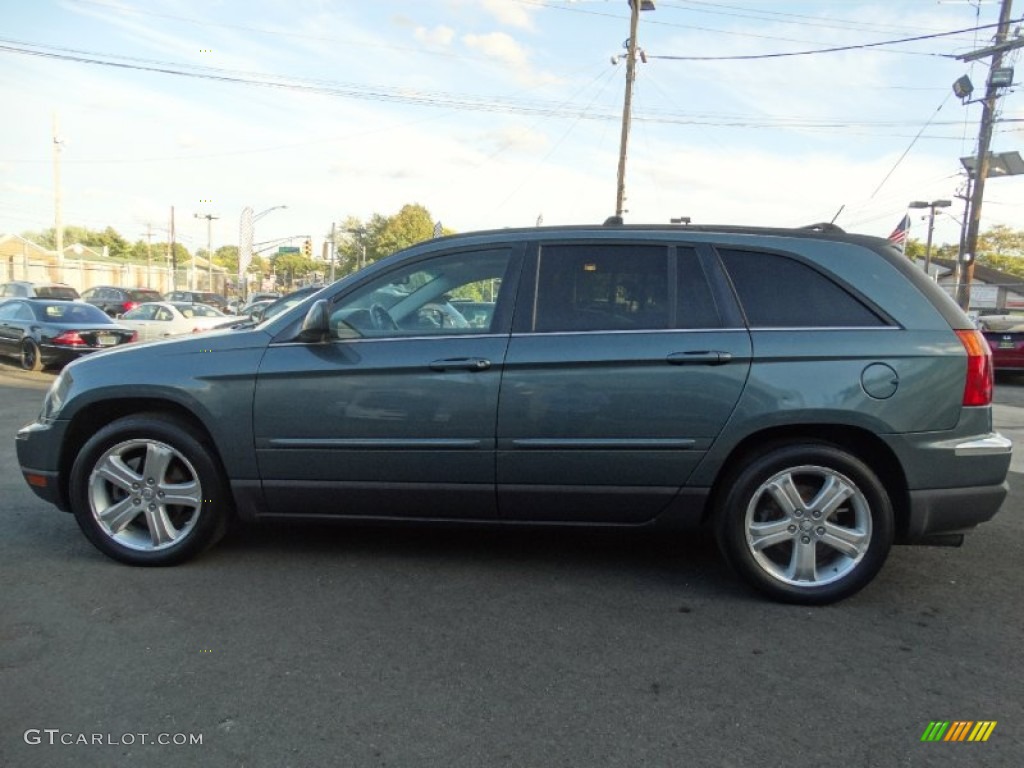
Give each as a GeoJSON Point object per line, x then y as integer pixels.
{"type": "Point", "coordinates": [382, 321]}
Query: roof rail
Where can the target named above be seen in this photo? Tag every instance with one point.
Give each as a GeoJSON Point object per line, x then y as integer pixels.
{"type": "Point", "coordinates": [823, 226]}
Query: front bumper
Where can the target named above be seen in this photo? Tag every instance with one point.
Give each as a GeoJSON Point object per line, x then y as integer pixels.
{"type": "Point", "coordinates": [38, 447]}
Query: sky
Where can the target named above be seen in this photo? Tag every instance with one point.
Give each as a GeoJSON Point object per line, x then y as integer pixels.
{"type": "Point", "coordinates": [491, 113]}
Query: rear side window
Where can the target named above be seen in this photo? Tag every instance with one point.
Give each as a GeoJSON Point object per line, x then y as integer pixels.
{"type": "Point", "coordinates": [602, 288]}
{"type": "Point", "coordinates": [56, 292]}
{"type": "Point", "coordinates": [779, 292]}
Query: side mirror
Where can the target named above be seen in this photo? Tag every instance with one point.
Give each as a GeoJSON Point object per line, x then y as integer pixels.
{"type": "Point", "coordinates": [316, 324]}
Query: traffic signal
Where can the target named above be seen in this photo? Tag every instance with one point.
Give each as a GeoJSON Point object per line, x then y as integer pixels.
{"type": "Point", "coordinates": [307, 248]}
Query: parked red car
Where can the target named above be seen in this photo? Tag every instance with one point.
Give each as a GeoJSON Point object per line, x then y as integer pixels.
{"type": "Point", "coordinates": [1005, 336]}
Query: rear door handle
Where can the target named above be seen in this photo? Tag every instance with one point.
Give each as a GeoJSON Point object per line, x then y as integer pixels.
{"type": "Point", "coordinates": [699, 357]}
{"type": "Point", "coordinates": [474, 364]}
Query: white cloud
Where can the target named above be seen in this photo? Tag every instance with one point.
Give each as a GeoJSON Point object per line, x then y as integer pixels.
{"type": "Point", "coordinates": [500, 46]}
{"type": "Point", "coordinates": [510, 12]}
{"type": "Point", "coordinates": [515, 138]}
{"type": "Point", "coordinates": [439, 35]}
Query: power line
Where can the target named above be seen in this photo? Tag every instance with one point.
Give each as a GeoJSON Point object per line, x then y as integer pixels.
{"type": "Point", "coordinates": [835, 49]}
{"type": "Point", "coordinates": [439, 99]}
{"type": "Point", "coordinates": [780, 17]}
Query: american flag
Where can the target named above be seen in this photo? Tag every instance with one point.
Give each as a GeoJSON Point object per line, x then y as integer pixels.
{"type": "Point", "coordinates": [899, 235]}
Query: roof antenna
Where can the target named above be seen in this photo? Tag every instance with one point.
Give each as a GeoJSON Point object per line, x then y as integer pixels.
{"type": "Point", "coordinates": [837, 213]}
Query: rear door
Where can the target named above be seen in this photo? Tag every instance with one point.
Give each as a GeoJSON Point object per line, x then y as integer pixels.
{"type": "Point", "coordinates": [624, 365]}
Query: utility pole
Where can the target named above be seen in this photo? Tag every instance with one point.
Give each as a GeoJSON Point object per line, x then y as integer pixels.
{"type": "Point", "coordinates": [931, 206]}
{"type": "Point", "coordinates": [58, 215]}
{"type": "Point", "coordinates": [149, 254]}
{"type": "Point", "coordinates": [209, 246]}
{"type": "Point", "coordinates": [173, 255]}
{"type": "Point", "coordinates": [334, 250]}
{"type": "Point", "coordinates": [981, 166]}
{"type": "Point", "coordinates": [627, 107]}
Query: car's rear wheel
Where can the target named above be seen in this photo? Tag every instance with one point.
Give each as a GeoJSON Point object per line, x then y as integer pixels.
{"type": "Point", "coordinates": [145, 492]}
{"type": "Point", "coordinates": [31, 357]}
{"type": "Point", "coordinates": [805, 523]}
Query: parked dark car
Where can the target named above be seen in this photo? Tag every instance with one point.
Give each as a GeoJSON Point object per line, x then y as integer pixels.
{"type": "Point", "coordinates": [807, 394]}
{"type": "Point", "coordinates": [282, 303]}
{"type": "Point", "coordinates": [46, 332]}
{"type": "Point", "coordinates": [201, 297]}
{"type": "Point", "coordinates": [116, 301]}
{"type": "Point", "coordinates": [27, 289]}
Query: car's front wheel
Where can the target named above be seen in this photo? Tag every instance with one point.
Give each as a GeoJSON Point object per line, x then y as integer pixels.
{"type": "Point", "coordinates": [146, 492]}
{"type": "Point", "coordinates": [805, 523]}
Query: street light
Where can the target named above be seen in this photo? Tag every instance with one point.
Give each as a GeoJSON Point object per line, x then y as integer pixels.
{"type": "Point", "coordinates": [261, 214]}
{"type": "Point", "coordinates": [245, 242]}
{"type": "Point", "coordinates": [931, 227]}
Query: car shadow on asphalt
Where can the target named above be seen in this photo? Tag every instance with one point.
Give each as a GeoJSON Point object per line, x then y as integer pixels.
{"type": "Point", "coordinates": [660, 556]}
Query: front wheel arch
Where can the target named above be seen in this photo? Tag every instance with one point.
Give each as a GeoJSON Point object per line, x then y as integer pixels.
{"type": "Point", "coordinates": [145, 491]}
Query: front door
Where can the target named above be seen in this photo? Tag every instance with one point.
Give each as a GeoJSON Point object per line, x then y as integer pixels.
{"type": "Point", "coordinates": [395, 416]}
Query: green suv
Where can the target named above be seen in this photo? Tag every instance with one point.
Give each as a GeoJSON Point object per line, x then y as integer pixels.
{"type": "Point", "coordinates": [808, 394]}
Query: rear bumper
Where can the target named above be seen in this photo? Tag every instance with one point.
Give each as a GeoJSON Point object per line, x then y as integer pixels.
{"type": "Point", "coordinates": [951, 510]}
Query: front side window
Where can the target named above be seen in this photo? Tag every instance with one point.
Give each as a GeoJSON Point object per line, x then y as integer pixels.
{"type": "Point", "coordinates": [423, 299]}
{"type": "Point", "coordinates": [602, 288]}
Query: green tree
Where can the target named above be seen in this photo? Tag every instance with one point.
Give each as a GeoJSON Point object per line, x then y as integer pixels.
{"type": "Point", "coordinates": [413, 224]}
{"type": "Point", "coordinates": [381, 236]}
{"type": "Point", "coordinates": [1000, 240]}
{"type": "Point", "coordinates": [1002, 248]}
{"type": "Point", "coordinates": [292, 266]}
{"type": "Point", "coordinates": [227, 256]}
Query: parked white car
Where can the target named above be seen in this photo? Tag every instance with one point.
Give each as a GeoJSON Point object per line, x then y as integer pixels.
{"type": "Point", "coordinates": [160, 319]}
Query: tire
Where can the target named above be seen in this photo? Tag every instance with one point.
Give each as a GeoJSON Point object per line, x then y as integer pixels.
{"type": "Point", "coordinates": [121, 483]}
{"type": "Point", "coordinates": [31, 356]}
{"type": "Point", "coordinates": [805, 523]}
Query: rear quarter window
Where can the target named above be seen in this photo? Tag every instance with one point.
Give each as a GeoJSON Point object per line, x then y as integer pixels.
{"type": "Point", "coordinates": [777, 291]}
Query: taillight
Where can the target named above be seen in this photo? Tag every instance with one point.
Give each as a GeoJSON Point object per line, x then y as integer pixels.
{"type": "Point", "coordinates": [69, 339]}
{"type": "Point", "coordinates": [129, 305]}
{"type": "Point", "coordinates": [978, 387]}
{"type": "Point", "coordinates": [133, 337]}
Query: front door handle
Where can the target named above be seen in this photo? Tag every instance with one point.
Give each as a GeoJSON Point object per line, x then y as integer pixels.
{"type": "Point", "coordinates": [474, 364]}
{"type": "Point", "coordinates": [699, 357]}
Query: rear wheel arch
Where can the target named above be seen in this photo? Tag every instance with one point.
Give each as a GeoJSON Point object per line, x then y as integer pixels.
{"type": "Point", "coordinates": [859, 442]}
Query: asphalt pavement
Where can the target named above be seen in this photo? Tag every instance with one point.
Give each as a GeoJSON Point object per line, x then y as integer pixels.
{"type": "Point", "coordinates": [327, 645]}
